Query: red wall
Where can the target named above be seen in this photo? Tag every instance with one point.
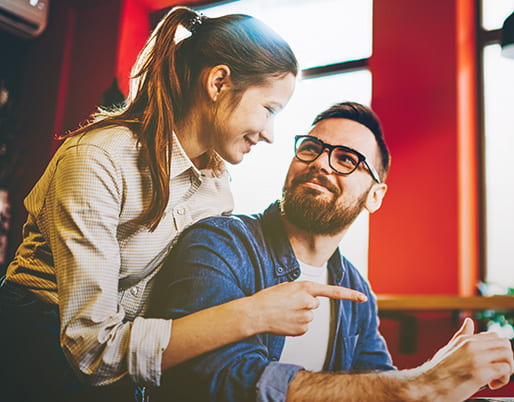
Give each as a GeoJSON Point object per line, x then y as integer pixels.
{"type": "Point", "coordinates": [416, 240]}
{"type": "Point", "coordinates": [93, 58]}
{"type": "Point", "coordinates": [133, 33]}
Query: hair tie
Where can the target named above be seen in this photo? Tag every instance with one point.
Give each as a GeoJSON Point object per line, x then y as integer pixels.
{"type": "Point", "coordinates": [195, 22]}
{"type": "Point", "coordinates": [186, 30]}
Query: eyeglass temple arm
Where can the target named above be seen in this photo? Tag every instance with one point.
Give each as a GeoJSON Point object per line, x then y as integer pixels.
{"type": "Point", "coordinates": [373, 172]}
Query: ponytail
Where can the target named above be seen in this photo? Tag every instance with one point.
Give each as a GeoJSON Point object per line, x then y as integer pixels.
{"type": "Point", "coordinates": [158, 95]}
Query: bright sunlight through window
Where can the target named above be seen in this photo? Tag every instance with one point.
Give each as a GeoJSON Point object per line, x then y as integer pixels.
{"type": "Point", "coordinates": [499, 143]}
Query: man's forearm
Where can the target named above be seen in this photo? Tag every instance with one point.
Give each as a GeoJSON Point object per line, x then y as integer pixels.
{"type": "Point", "coordinates": [404, 385]}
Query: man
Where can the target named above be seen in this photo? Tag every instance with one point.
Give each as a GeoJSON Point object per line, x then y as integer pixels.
{"type": "Point", "coordinates": [338, 170]}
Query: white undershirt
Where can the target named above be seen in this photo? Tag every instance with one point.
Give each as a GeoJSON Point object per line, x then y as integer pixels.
{"type": "Point", "coordinates": [310, 350]}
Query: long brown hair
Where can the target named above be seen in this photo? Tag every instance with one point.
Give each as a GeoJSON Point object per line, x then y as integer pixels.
{"type": "Point", "coordinates": [166, 79]}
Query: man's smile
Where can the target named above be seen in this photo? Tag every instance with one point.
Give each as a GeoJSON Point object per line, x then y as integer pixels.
{"type": "Point", "coordinates": [315, 181]}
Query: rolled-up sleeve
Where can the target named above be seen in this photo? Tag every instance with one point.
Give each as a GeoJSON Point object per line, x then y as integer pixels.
{"type": "Point", "coordinates": [274, 381]}
{"type": "Point", "coordinates": [149, 337]}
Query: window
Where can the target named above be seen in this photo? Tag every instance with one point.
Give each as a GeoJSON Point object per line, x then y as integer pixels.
{"type": "Point", "coordinates": [333, 70]}
{"type": "Point", "coordinates": [498, 125]}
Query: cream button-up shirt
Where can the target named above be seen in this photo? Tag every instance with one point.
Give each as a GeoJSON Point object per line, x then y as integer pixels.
{"type": "Point", "coordinates": [83, 249]}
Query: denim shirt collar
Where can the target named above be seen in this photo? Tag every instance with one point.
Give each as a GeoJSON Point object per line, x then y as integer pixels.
{"type": "Point", "coordinates": [285, 262]}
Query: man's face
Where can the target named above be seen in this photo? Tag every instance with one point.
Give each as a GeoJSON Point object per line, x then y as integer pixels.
{"type": "Point", "coordinates": [318, 199]}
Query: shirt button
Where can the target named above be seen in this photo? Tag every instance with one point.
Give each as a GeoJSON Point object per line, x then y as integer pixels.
{"type": "Point", "coordinates": [134, 291]}
{"type": "Point", "coordinates": [181, 211]}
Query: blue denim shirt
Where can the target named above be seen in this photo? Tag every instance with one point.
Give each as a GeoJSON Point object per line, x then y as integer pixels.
{"type": "Point", "coordinates": [224, 258]}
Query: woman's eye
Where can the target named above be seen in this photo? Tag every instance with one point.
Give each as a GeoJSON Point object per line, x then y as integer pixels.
{"type": "Point", "coordinates": [270, 110]}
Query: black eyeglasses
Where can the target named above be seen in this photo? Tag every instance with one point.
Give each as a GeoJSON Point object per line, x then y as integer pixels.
{"type": "Point", "coordinates": [343, 160]}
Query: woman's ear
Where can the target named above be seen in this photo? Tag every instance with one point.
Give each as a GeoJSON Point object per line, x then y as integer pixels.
{"type": "Point", "coordinates": [218, 81]}
{"type": "Point", "coordinates": [375, 197]}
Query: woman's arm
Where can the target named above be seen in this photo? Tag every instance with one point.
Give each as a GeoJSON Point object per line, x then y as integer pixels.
{"type": "Point", "coordinates": [283, 309]}
{"type": "Point", "coordinates": [80, 218]}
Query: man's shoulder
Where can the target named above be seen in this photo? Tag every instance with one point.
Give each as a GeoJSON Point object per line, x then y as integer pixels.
{"type": "Point", "coordinates": [226, 226]}
{"type": "Point", "coordinates": [219, 245]}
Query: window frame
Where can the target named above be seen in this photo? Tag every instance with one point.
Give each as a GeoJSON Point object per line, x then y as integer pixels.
{"type": "Point", "coordinates": [484, 38]}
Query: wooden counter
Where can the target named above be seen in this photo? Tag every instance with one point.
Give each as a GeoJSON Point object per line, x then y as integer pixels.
{"type": "Point", "coordinates": [443, 303]}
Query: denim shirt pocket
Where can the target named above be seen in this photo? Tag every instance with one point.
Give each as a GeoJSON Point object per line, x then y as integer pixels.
{"type": "Point", "coordinates": [349, 345]}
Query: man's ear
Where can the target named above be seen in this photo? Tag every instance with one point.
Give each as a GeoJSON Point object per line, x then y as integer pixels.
{"type": "Point", "coordinates": [375, 197]}
{"type": "Point", "coordinates": [218, 80]}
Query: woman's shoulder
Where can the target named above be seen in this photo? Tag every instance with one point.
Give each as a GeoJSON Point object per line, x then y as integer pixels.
{"type": "Point", "coordinates": [109, 147]}
{"type": "Point", "coordinates": [110, 138]}
{"type": "Point", "coordinates": [113, 140]}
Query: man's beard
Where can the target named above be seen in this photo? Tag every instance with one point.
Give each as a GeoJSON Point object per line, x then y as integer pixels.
{"type": "Point", "coordinates": [303, 207]}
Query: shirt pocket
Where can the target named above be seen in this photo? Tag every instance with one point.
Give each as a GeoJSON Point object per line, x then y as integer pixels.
{"type": "Point", "coordinates": [349, 346]}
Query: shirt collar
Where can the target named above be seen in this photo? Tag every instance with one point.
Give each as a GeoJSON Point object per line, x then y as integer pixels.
{"type": "Point", "coordinates": [180, 162]}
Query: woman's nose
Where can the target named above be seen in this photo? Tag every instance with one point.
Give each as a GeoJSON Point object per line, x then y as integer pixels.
{"type": "Point", "coordinates": [268, 133]}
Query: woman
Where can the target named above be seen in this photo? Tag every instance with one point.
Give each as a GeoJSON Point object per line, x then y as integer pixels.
{"type": "Point", "coordinates": [105, 212]}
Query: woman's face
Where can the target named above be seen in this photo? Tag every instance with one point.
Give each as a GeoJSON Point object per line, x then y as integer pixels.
{"type": "Point", "coordinates": [251, 121]}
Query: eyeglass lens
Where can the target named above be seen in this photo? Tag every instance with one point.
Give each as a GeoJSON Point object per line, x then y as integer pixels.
{"type": "Point", "coordinates": [341, 159]}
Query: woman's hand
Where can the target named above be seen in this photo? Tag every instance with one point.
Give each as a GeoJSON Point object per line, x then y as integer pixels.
{"type": "Point", "coordinates": [286, 309]}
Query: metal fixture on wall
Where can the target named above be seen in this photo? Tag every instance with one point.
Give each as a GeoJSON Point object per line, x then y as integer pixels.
{"type": "Point", "coordinates": [24, 18]}
{"type": "Point", "coordinates": [507, 38]}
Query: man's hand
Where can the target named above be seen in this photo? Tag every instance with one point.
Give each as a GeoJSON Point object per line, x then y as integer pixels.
{"type": "Point", "coordinates": [286, 309]}
{"type": "Point", "coordinates": [468, 362]}
{"type": "Point", "coordinates": [458, 370]}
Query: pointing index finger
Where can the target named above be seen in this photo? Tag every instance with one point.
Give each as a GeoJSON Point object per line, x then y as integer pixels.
{"type": "Point", "coordinates": [337, 292]}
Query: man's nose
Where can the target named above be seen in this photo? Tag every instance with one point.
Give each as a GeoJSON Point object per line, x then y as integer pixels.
{"type": "Point", "coordinates": [322, 162]}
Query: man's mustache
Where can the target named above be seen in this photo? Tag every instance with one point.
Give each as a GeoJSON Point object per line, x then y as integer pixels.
{"type": "Point", "coordinates": [321, 179]}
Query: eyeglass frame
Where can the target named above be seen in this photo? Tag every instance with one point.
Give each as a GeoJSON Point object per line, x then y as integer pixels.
{"type": "Point", "coordinates": [330, 148]}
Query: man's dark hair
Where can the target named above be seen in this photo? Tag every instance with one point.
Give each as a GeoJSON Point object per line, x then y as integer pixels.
{"type": "Point", "coordinates": [365, 116]}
